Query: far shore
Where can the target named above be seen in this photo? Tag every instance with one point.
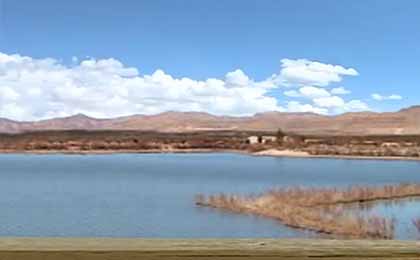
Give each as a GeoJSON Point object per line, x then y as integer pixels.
{"type": "Point", "coordinates": [301, 154]}
{"type": "Point", "coordinates": [266, 153]}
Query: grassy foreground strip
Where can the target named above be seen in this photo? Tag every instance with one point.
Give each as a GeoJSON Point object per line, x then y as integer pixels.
{"type": "Point", "coordinates": [303, 208]}
{"type": "Point", "coordinates": [128, 249]}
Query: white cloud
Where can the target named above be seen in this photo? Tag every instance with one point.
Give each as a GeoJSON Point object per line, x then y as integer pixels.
{"type": "Point", "coordinates": [292, 93]}
{"type": "Point", "coordinates": [395, 97]}
{"type": "Point", "coordinates": [380, 97]}
{"type": "Point", "coordinates": [237, 78]}
{"type": "Point", "coordinates": [356, 105]}
{"type": "Point", "coordinates": [339, 105]}
{"type": "Point", "coordinates": [42, 88]}
{"type": "Point", "coordinates": [8, 94]}
{"type": "Point", "coordinates": [308, 92]}
{"type": "Point", "coordinates": [294, 106]}
{"type": "Point", "coordinates": [314, 92]}
{"type": "Point", "coordinates": [305, 72]}
{"type": "Point", "coordinates": [329, 102]}
{"type": "Point", "coordinates": [340, 91]}
{"type": "Point", "coordinates": [312, 77]}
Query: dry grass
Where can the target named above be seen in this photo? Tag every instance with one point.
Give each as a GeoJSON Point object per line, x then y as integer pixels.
{"type": "Point", "coordinates": [331, 196]}
{"type": "Point", "coordinates": [317, 209]}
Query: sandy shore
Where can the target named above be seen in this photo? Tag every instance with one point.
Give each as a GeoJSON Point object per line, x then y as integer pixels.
{"type": "Point", "coordinates": [301, 154]}
{"type": "Point", "coordinates": [127, 249]}
{"type": "Point", "coordinates": [283, 153]}
{"type": "Point", "coordinates": [269, 152]}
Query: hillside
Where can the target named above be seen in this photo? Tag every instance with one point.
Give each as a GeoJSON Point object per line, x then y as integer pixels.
{"type": "Point", "coordinates": [403, 122]}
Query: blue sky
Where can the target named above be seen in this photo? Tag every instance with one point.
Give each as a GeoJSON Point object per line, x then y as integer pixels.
{"type": "Point", "coordinates": [202, 40]}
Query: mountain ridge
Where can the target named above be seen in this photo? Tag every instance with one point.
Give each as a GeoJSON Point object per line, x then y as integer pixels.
{"type": "Point", "coordinates": [405, 121]}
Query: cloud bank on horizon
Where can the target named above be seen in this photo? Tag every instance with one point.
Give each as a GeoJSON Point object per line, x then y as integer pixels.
{"type": "Point", "coordinates": [32, 89]}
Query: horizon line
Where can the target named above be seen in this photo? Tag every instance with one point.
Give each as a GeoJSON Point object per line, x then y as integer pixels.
{"type": "Point", "coordinates": [206, 113]}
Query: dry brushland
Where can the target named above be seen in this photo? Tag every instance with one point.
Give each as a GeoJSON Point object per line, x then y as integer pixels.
{"type": "Point", "coordinates": [81, 141]}
{"type": "Point", "coordinates": [318, 210]}
{"type": "Point", "coordinates": [121, 141]}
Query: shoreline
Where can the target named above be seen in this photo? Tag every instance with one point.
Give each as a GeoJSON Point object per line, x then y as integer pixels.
{"type": "Point", "coordinates": [302, 154]}
{"type": "Point", "coordinates": [264, 153]}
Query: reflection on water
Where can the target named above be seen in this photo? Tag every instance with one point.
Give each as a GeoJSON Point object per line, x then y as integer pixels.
{"type": "Point", "coordinates": [402, 211]}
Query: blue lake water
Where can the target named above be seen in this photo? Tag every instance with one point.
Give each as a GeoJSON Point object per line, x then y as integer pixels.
{"type": "Point", "coordinates": [152, 195]}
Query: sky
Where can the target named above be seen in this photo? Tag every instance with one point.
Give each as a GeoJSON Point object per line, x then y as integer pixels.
{"type": "Point", "coordinates": [235, 57]}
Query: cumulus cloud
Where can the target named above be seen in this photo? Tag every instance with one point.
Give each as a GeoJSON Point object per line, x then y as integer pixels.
{"type": "Point", "coordinates": [32, 89]}
{"type": "Point", "coordinates": [43, 88]}
{"type": "Point", "coordinates": [339, 105]}
{"type": "Point", "coordinates": [314, 92]}
{"type": "Point", "coordinates": [380, 97]}
{"type": "Point", "coordinates": [305, 72]}
{"type": "Point", "coordinates": [308, 92]}
{"type": "Point", "coordinates": [340, 91]}
{"type": "Point", "coordinates": [292, 93]}
{"type": "Point", "coordinates": [323, 101]}
{"type": "Point", "coordinates": [356, 105]}
{"type": "Point", "coordinates": [295, 106]}
{"type": "Point", "coordinates": [237, 78]}
{"type": "Point", "coordinates": [329, 102]}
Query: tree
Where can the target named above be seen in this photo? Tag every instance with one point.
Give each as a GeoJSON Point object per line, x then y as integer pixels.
{"type": "Point", "coordinates": [280, 134]}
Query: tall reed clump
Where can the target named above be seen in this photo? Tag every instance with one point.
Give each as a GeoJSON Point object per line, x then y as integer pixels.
{"type": "Point", "coordinates": [332, 196]}
{"type": "Point", "coordinates": [317, 209]}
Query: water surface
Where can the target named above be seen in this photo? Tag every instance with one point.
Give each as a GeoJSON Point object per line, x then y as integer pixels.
{"type": "Point", "coordinates": [152, 195]}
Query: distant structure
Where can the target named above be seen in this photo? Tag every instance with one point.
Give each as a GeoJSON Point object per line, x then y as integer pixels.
{"type": "Point", "coordinates": [268, 139]}
{"type": "Point", "coordinates": [253, 139]}
{"type": "Point", "coordinates": [390, 145]}
{"type": "Point", "coordinates": [261, 139]}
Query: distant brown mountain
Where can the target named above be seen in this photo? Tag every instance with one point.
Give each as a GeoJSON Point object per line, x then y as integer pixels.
{"type": "Point", "coordinates": [406, 121]}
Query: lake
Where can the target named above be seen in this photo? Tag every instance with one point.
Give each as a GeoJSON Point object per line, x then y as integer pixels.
{"type": "Point", "coordinates": [152, 195]}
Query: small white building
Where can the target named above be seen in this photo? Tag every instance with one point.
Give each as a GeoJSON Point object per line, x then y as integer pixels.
{"type": "Point", "coordinates": [391, 145]}
{"type": "Point", "coordinates": [261, 139]}
{"type": "Point", "coordinates": [268, 139]}
{"type": "Point", "coordinates": [253, 139]}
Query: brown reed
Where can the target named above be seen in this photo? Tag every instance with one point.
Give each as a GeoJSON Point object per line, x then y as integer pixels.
{"type": "Point", "coordinates": [315, 208]}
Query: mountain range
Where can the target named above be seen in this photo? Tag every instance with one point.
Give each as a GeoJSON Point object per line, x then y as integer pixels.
{"type": "Point", "coordinates": [403, 122]}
